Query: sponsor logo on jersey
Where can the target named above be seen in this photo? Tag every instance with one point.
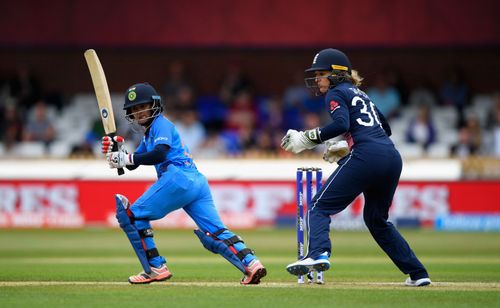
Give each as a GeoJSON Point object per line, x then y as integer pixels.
{"type": "Point", "coordinates": [161, 139]}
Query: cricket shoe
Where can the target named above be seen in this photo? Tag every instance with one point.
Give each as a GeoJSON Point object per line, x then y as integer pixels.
{"type": "Point", "coordinates": [302, 267]}
{"type": "Point", "coordinates": [417, 283]}
{"type": "Point", "coordinates": [157, 274]}
{"type": "Point", "coordinates": [255, 271]}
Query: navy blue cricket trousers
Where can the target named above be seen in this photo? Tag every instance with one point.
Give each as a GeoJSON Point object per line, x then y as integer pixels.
{"type": "Point", "coordinates": [373, 170]}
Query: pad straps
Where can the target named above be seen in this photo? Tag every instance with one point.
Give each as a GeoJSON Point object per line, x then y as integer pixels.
{"type": "Point", "coordinates": [230, 243]}
{"type": "Point", "coordinates": [245, 251]}
{"type": "Point", "coordinates": [153, 252]}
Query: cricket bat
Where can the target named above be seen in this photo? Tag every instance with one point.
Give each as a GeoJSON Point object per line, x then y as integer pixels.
{"type": "Point", "coordinates": [103, 97]}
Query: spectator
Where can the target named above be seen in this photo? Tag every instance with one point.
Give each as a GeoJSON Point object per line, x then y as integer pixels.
{"type": "Point", "coordinates": [493, 127]}
{"type": "Point", "coordinates": [491, 118]}
{"type": "Point", "coordinates": [11, 126]}
{"type": "Point", "coordinates": [296, 94]}
{"type": "Point", "coordinates": [242, 112]}
{"type": "Point", "coordinates": [469, 139]}
{"type": "Point", "coordinates": [176, 79]}
{"type": "Point", "coordinates": [233, 83]}
{"type": "Point", "coordinates": [182, 102]}
{"type": "Point", "coordinates": [496, 134]}
{"type": "Point", "coordinates": [271, 113]}
{"type": "Point", "coordinates": [86, 148]}
{"type": "Point", "coordinates": [396, 81]}
{"type": "Point", "coordinates": [422, 92]}
{"type": "Point", "coordinates": [464, 147]}
{"type": "Point", "coordinates": [191, 130]}
{"type": "Point", "coordinates": [214, 145]}
{"type": "Point", "coordinates": [24, 87]}
{"type": "Point", "coordinates": [421, 129]}
{"type": "Point", "coordinates": [268, 141]}
{"type": "Point", "coordinates": [455, 92]}
{"type": "Point", "coordinates": [39, 128]}
{"type": "Point", "coordinates": [385, 96]}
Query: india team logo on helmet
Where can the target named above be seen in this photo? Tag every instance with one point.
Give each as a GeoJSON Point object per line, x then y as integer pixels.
{"type": "Point", "coordinates": [132, 95]}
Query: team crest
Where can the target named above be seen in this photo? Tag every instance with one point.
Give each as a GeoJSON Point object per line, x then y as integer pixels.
{"type": "Point", "coordinates": [315, 58]}
{"type": "Point", "coordinates": [132, 95]}
{"type": "Point", "coordinates": [333, 106]}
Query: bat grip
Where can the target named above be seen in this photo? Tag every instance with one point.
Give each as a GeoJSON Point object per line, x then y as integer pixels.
{"type": "Point", "coordinates": [115, 149]}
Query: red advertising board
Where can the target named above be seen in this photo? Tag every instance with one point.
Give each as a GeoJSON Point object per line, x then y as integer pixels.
{"type": "Point", "coordinates": [242, 204]}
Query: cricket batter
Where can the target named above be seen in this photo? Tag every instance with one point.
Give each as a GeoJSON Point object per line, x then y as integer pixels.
{"type": "Point", "coordinates": [179, 185]}
{"type": "Point", "coordinates": [368, 163]}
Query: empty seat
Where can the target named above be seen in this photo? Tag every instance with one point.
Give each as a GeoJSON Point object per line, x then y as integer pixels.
{"type": "Point", "coordinates": [30, 150]}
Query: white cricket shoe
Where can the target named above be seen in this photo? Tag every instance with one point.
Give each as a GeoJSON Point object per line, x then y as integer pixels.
{"type": "Point", "coordinates": [157, 274]}
{"type": "Point", "coordinates": [304, 266]}
{"type": "Point", "coordinates": [418, 283]}
{"type": "Point", "coordinates": [255, 272]}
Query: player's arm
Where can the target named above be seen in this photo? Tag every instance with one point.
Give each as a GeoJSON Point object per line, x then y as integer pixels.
{"type": "Point", "coordinates": [339, 112]}
{"type": "Point", "coordinates": [296, 142]}
{"type": "Point", "coordinates": [131, 161]}
{"type": "Point", "coordinates": [140, 150]}
{"type": "Point", "coordinates": [385, 124]}
{"type": "Point", "coordinates": [156, 156]}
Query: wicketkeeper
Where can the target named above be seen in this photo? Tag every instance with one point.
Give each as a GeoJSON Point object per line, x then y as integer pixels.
{"type": "Point", "coordinates": [368, 163]}
{"type": "Point", "coordinates": [179, 185]}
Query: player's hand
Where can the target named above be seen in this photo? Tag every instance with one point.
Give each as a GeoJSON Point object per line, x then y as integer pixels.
{"type": "Point", "coordinates": [296, 142]}
{"type": "Point", "coordinates": [107, 143]}
{"type": "Point", "coordinates": [335, 150]}
{"type": "Point", "coordinates": [119, 159]}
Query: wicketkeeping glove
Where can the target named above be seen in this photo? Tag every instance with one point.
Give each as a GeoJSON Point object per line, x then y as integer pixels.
{"type": "Point", "coordinates": [335, 150]}
{"type": "Point", "coordinates": [296, 142]}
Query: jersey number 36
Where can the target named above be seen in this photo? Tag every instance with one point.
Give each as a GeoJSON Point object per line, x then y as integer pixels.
{"type": "Point", "coordinates": [371, 115]}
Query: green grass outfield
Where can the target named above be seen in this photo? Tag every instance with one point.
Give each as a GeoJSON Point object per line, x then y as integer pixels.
{"type": "Point", "coordinates": [89, 268]}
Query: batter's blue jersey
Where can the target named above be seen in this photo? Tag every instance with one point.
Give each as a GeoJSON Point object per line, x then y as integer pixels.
{"type": "Point", "coordinates": [355, 117]}
{"type": "Point", "coordinates": [163, 131]}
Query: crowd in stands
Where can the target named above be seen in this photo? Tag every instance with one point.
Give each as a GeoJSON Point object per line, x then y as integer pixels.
{"type": "Point", "coordinates": [444, 120]}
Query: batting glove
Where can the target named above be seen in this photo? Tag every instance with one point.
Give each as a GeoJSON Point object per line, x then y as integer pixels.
{"type": "Point", "coordinates": [119, 159]}
{"type": "Point", "coordinates": [107, 143]}
{"type": "Point", "coordinates": [296, 142]}
{"type": "Point", "coordinates": [335, 150]}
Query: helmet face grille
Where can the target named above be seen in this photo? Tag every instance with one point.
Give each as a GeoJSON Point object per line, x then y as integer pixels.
{"type": "Point", "coordinates": [155, 111]}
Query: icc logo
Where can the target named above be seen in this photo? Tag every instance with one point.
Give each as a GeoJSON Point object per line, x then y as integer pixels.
{"type": "Point", "coordinates": [104, 113]}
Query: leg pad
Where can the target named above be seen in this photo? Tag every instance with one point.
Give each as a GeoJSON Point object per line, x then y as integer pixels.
{"type": "Point", "coordinates": [213, 244]}
{"type": "Point", "coordinates": [131, 231]}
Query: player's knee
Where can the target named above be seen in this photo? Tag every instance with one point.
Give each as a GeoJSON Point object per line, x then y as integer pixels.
{"type": "Point", "coordinates": [374, 220]}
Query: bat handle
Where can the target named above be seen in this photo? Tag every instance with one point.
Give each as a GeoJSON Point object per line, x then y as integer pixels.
{"type": "Point", "coordinates": [120, 171]}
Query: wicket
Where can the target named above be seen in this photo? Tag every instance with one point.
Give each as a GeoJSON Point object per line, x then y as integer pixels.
{"type": "Point", "coordinates": [302, 212]}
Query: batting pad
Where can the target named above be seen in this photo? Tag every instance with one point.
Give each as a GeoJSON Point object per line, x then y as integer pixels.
{"type": "Point", "coordinates": [131, 231]}
{"type": "Point", "coordinates": [219, 247]}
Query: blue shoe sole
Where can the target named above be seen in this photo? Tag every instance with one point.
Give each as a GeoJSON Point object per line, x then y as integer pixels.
{"type": "Point", "coordinates": [298, 270]}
